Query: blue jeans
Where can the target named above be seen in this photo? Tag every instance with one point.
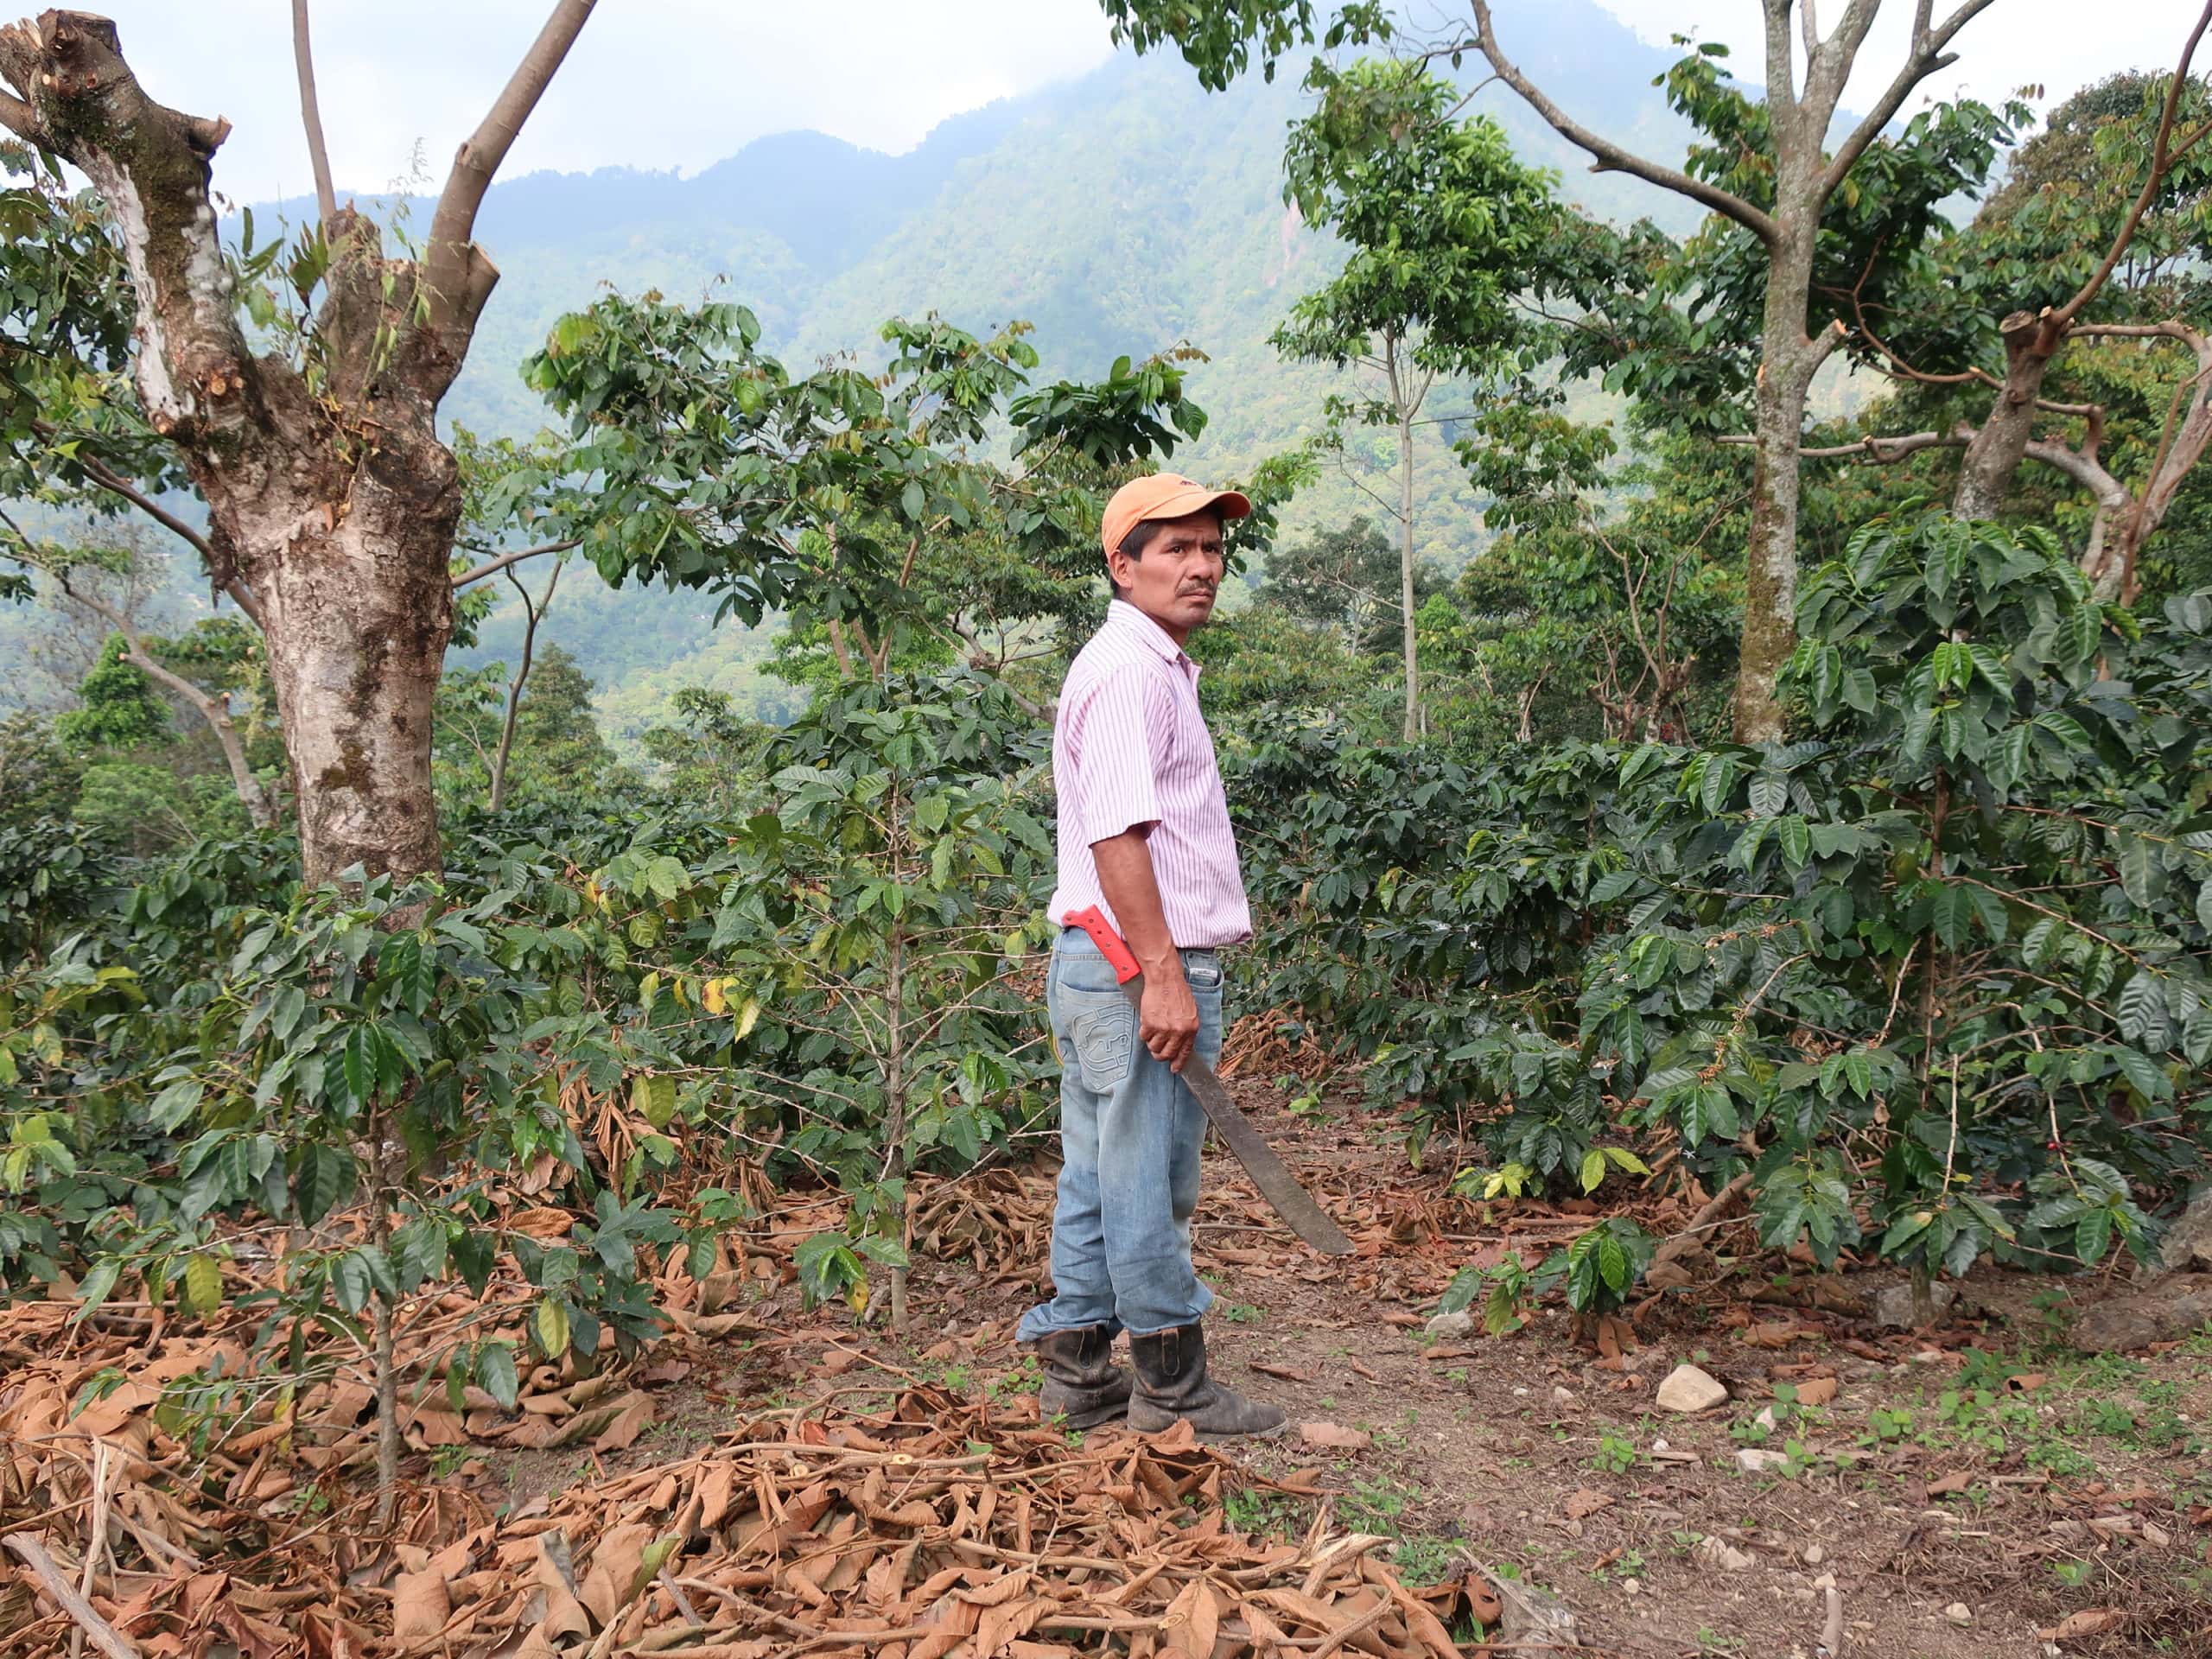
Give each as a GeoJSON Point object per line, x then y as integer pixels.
{"type": "Point", "coordinates": [1130, 1131]}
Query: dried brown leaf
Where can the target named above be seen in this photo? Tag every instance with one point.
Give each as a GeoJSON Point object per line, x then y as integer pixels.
{"type": "Point", "coordinates": [2090, 1621]}
{"type": "Point", "coordinates": [1335, 1435]}
{"type": "Point", "coordinates": [419, 1609]}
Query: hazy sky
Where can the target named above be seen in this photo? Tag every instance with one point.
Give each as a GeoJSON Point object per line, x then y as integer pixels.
{"type": "Point", "coordinates": [684, 83]}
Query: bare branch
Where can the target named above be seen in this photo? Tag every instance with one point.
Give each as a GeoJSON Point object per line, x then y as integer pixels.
{"type": "Point", "coordinates": [2085, 470]}
{"type": "Point", "coordinates": [218, 568]}
{"type": "Point", "coordinates": [326, 192]}
{"type": "Point", "coordinates": [1925, 58]}
{"type": "Point", "coordinates": [56, 1585]}
{"type": "Point", "coordinates": [115, 484]}
{"type": "Point", "coordinates": [1884, 450]}
{"type": "Point", "coordinates": [532, 613]}
{"type": "Point", "coordinates": [495, 566]}
{"type": "Point", "coordinates": [2161, 158]}
{"type": "Point", "coordinates": [213, 707]}
{"type": "Point", "coordinates": [2172, 328]}
{"type": "Point", "coordinates": [1829, 64]}
{"type": "Point", "coordinates": [1610, 156]}
{"type": "Point", "coordinates": [460, 279]}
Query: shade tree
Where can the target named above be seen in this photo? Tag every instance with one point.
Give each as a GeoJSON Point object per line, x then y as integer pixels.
{"type": "Point", "coordinates": [1451, 240]}
{"type": "Point", "coordinates": [863, 505]}
{"type": "Point", "coordinates": [293, 385]}
{"type": "Point", "coordinates": [1769, 171]}
{"type": "Point", "coordinates": [2066, 324]}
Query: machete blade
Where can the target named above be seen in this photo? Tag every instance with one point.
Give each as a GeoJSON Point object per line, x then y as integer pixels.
{"type": "Point", "coordinates": [1269, 1172]}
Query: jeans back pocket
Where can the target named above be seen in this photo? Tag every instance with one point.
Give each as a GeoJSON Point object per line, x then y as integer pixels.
{"type": "Point", "coordinates": [1101, 1026]}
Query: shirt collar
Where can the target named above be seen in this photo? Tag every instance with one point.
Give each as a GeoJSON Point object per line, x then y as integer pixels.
{"type": "Point", "coordinates": [1121, 614]}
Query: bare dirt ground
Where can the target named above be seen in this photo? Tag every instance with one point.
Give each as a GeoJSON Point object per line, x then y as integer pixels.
{"type": "Point", "coordinates": [1975, 1488]}
{"type": "Point", "coordinates": [770, 1481]}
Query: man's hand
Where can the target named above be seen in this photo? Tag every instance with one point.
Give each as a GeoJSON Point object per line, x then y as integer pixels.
{"type": "Point", "coordinates": [1167, 1023]}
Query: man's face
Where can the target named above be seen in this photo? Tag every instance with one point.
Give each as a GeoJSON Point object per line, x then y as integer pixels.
{"type": "Point", "coordinates": [1176, 582]}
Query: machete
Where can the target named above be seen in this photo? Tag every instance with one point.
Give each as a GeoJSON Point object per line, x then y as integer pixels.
{"type": "Point", "coordinates": [1269, 1172]}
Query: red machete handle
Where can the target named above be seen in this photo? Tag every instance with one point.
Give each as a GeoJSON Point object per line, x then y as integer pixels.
{"type": "Point", "coordinates": [1093, 921]}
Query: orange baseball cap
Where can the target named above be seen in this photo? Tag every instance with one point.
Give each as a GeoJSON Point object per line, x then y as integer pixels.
{"type": "Point", "coordinates": [1163, 495]}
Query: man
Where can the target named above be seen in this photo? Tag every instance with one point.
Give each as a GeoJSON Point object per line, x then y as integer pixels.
{"type": "Point", "coordinates": [1144, 835]}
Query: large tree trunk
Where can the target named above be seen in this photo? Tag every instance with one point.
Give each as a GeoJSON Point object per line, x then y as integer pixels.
{"type": "Point", "coordinates": [335, 505]}
{"type": "Point", "coordinates": [357, 606]}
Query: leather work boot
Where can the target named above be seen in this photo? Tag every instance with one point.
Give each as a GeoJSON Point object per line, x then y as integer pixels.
{"type": "Point", "coordinates": [1173, 1385]}
{"type": "Point", "coordinates": [1080, 1377]}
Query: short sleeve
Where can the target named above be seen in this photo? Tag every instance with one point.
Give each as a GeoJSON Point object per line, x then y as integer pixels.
{"type": "Point", "coordinates": [1120, 748]}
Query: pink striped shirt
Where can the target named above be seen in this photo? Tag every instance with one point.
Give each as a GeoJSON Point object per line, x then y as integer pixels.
{"type": "Point", "coordinates": [1130, 749]}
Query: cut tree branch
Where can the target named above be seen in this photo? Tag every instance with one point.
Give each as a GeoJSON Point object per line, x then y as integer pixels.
{"type": "Point", "coordinates": [326, 192]}
{"type": "Point", "coordinates": [2162, 158]}
{"type": "Point", "coordinates": [17, 117]}
{"type": "Point", "coordinates": [459, 278]}
{"type": "Point", "coordinates": [1610, 156]}
{"type": "Point", "coordinates": [494, 567]}
{"type": "Point", "coordinates": [1926, 57]}
{"type": "Point", "coordinates": [56, 1585]}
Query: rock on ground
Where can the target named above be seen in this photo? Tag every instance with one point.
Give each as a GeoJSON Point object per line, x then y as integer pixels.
{"type": "Point", "coordinates": [2188, 1241]}
{"type": "Point", "coordinates": [1720, 1553]}
{"type": "Point", "coordinates": [1893, 1303]}
{"type": "Point", "coordinates": [1532, 1617]}
{"type": "Point", "coordinates": [1451, 1327]}
{"type": "Point", "coordinates": [2176, 1308]}
{"type": "Point", "coordinates": [1688, 1388]}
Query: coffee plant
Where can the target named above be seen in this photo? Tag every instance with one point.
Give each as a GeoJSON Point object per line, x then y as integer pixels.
{"type": "Point", "coordinates": [1933, 974]}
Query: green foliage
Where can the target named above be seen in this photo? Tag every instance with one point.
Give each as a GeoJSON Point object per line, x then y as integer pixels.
{"type": "Point", "coordinates": [117, 706]}
{"type": "Point", "coordinates": [1957, 928]}
{"type": "Point", "coordinates": [708, 750]}
{"type": "Point", "coordinates": [1451, 238]}
{"type": "Point", "coordinates": [39, 774]}
{"type": "Point", "coordinates": [873, 907]}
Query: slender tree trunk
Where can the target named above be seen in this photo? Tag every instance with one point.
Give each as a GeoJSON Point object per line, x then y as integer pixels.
{"type": "Point", "coordinates": [529, 616]}
{"type": "Point", "coordinates": [895, 1096]}
{"type": "Point", "coordinates": [214, 708]}
{"type": "Point", "coordinates": [1789, 362]}
{"type": "Point", "coordinates": [1405, 567]}
{"type": "Point", "coordinates": [386, 1316]}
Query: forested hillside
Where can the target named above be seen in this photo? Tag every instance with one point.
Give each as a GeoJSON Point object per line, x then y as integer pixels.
{"type": "Point", "coordinates": [1124, 212]}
